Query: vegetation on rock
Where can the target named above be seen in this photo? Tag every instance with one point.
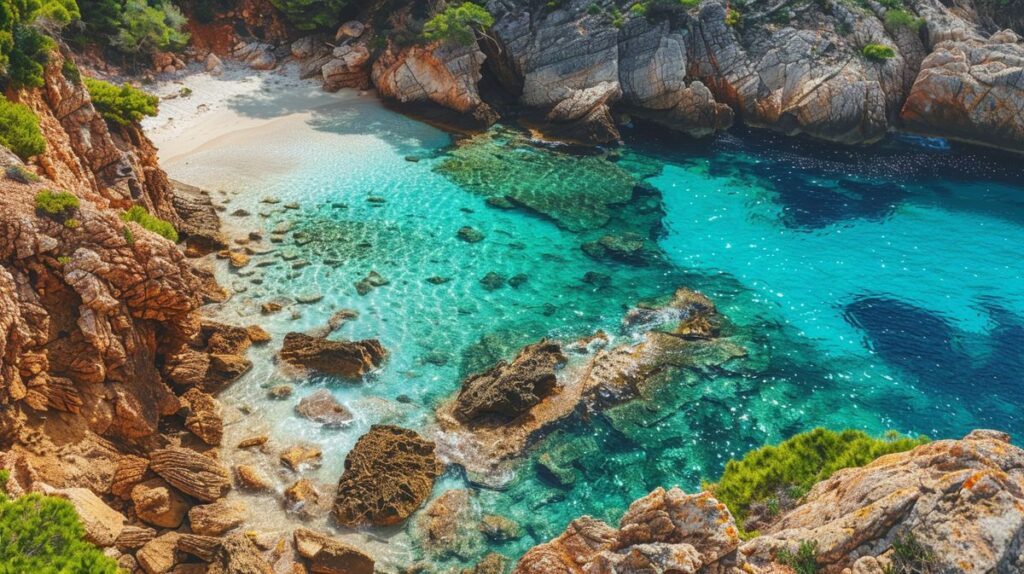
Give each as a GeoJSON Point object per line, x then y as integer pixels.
{"type": "Point", "coordinates": [19, 130]}
{"type": "Point", "coordinates": [794, 466]}
{"type": "Point", "coordinates": [878, 52]}
{"type": "Point", "coordinates": [805, 561]}
{"type": "Point", "coordinates": [24, 49]}
{"type": "Point", "coordinates": [458, 23]}
{"type": "Point", "coordinates": [43, 535]}
{"type": "Point", "coordinates": [138, 214]}
{"type": "Point", "coordinates": [57, 203]}
{"type": "Point", "coordinates": [122, 105]}
{"type": "Point", "coordinates": [311, 14]}
{"type": "Point", "coordinates": [145, 28]}
{"type": "Point", "coordinates": [900, 18]}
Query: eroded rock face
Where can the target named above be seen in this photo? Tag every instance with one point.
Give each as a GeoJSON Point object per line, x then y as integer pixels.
{"type": "Point", "coordinates": [388, 475]}
{"type": "Point", "coordinates": [961, 499]}
{"type": "Point", "coordinates": [666, 531]}
{"type": "Point", "coordinates": [329, 556]}
{"type": "Point", "coordinates": [349, 359]}
{"type": "Point", "coordinates": [507, 390]}
{"type": "Point", "coordinates": [440, 73]}
{"type": "Point", "coordinates": [194, 474]}
{"type": "Point", "coordinates": [972, 90]}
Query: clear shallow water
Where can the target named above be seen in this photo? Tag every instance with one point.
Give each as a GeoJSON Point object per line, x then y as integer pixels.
{"type": "Point", "coordinates": [876, 289]}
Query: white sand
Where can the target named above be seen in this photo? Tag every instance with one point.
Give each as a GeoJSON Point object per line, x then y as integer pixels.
{"type": "Point", "coordinates": [229, 106]}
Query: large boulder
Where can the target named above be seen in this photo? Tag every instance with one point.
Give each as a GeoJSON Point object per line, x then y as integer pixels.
{"type": "Point", "coordinates": [194, 474]}
{"type": "Point", "coordinates": [327, 555]}
{"type": "Point", "coordinates": [508, 390]}
{"type": "Point", "coordinates": [388, 474]}
{"type": "Point", "coordinates": [203, 416]}
{"type": "Point", "coordinates": [971, 90]}
{"type": "Point", "coordinates": [217, 518]}
{"type": "Point", "coordinates": [666, 531]}
{"type": "Point", "coordinates": [102, 523]}
{"type": "Point", "coordinates": [349, 359]}
{"type": "Point", "coordinates": [158, 504]}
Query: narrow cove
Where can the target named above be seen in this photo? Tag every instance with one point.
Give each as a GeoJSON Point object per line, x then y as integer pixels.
{"type": "Point", "coordinates": [835, 269]}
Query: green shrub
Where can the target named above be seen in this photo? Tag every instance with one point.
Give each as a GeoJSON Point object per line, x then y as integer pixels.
{"type": "Point", "coordinates": [311, 14]}
{"type": "Point", "coordinates": [24, 49]}
{"type": "Point", "coordinates": [138, 214]}
{"type": "Point", "coordinates": [900, 18]}
{"type": "Point", "coordinates": [122, 105]}
{"type": "Point", "coordinates": [733, 18]}
{"type": "Point", "coordinates": [617, 19]}
{"type": "Point", "coordinates": [594, 9]}
{"type": "Point", "coordinates": [57, 203]}
{"type": "Point", "coordinates": [43, 535]}
{"type": "Point", "coordinates": [878, 52]}
{"type": "Point", "coordinates": [19, 130]}
{"type": "Point", "coordinates": [458, 23]}
{"type": "Point", "coordinates": [64, 259]}
{"type": "Point", "coordinates": [909, 556]}
{"type": "Point", "coordinates": [805, 561]}
{"type": "Point", "coordinates": [639, 9]}
{"type": "Point", "coordinates": [21, 175]}
{"type": "Point", "coordinates": [70, 71]}
{"type": "Point", "coordinates": [72, 223]}
{"type": "Point", "coordinates": [129, 237]}
{"type": "Point", "coordinates": [145, 28]}
{"type": "Point", "coordinates": [795, 465]}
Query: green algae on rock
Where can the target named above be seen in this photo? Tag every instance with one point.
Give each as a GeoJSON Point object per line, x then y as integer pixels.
{"type": "Point", "coordinates": [579, 192]}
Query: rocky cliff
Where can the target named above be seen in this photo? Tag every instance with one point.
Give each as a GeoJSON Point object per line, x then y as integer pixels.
{"type": "Point", "coordinates": [578, 69]}
{"type": "Point", "coordinates": [952, 506]}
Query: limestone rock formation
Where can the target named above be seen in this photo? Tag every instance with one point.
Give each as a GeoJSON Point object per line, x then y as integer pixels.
{"type": "Point", "coordinates": [329, 556]}
{"type": "Point", "coordinates": [507, 390]}
{"type": "Point", "coordinates": [971, 90]}
{"type": "Point", "coordinates": [349, 359]}
{"type": "Point", "coordinates": [441, 73]}
{"type": "Point", "coordinates": [203, 416]}
{"type": "Point", "coordinates": [388, 475]}
{"type": "Point", "coordinates": [157, 503]}
{"type": "Point", "coordinates": [217, 518]}
{"type": "Point", "coordinates": [194, 474]}
{"type": "Point", "coordinates": [200, 224]}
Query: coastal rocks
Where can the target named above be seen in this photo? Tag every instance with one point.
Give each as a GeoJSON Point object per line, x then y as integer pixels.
{"type": "Point", "coordinates": [388, 475]}
{"type": "Point", "coordinates": [257, 55]}
{"type": "Point", "coordinates": [200, 224]}
{"type": "Point", "coordinates": [961, 500]}
{"type": "Point", "coordinates": [370, 282]}
{"type": "Point", "coordinates": [348, 67]}
{"type": "Point", "coordinates": [158, 504]}
{"type": "Point", "coordinates": [585, 116]}
{"type": "Point", "coordinates": [217, 518]}
{"type": "Point", "coordinates": [470, 234]}
{"type": "Point", "coordinates": [296, 456]}
{"type": "Point", "coordinates": [441, 73]}
{"type": "Point", "coordinates": [682, 334]}
{"type": "Point", "coordinates": [102, 524]}
{"type": "Point", "coordinates": [321, 407]}
{"type": "Point", "coordinates": [348, 359]}
{"type": "Point", "coordinates": [508, 390]}
{"type": "Point", "coordinates": [194, 474]}
{"type": "Point", "coordinates": [447, 526]}
{"type": "Point", "coordinates": [214, 356]}
{"type": "Point", "coordinates": [627, 247]}
{"type": "Point", "coordinates": [203, 416]}
{"type": "Point", "coordinates": [971, 90]}
{"type": "Point", "coordinates": [251, 479]}
{"type": "Point", "coordinates": [329, 556]}
{"type": "Point", "coordinates": [303, 498]}
{"type": "Point", "coordinates": [239, 555]}
{"type": "Point", "coordinates": [159, 555]}
{"type": "Point", "coordinates": [666, 531]}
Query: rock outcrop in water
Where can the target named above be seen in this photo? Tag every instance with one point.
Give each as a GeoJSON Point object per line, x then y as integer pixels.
{"type": "Point", "coordinates": [508, 390]}
{"type": "Point", "coordinates": [596, 375]}
{"type": "Point", "coordinates": [349, 359]}
{"type": "Point", "coordinates": [388, 475]}
{"type": "Point", "coordinates": [960, 500]}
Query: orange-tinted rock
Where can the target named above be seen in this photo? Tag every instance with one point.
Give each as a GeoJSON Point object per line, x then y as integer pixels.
{"type": "Point", "coordinates": [349, 359]}
{"type": "Point", "coordinates": [388, 475]}
{"type": "Point", "coordinates": [194, 474]}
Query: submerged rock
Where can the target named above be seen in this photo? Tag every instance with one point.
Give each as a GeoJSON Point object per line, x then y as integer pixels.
{"type": "Point", "coordinates": [349, 359]}
{"type": "Point", "coordinates": [323, 408]}
{"type": "Point", "coordinates": [508, 390]}
{"type": "Point", "coordinates": [388, 475]}
{"type": "Point", "coordinates": [470, 234]}
{"type": "Point", "coordinates": [493, 281]}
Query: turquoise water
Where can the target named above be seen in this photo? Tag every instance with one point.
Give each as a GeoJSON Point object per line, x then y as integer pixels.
{"type": "Point", "coordinates": [877, 289]}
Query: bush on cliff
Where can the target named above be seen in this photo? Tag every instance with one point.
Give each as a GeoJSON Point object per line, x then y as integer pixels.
{"type": "Point", "coordinates": [19, 130]}
{"type": "Point", "coordinates": [878, 52]}
{"type": "Point", "coordinates": [57, 203]}
{"type": "Point", "coordinates": [795, 465]}
{"type": "Point", "coordinates": [311, 14]}
{"type": "Point", "coordinates": [138, 214]}
{"type": "Point", "coordinates": [458, 23]}
{"type": "Point", "coordinates": [24, 48]}
{"type": "Point", "coordinates": [145, 28]}
{"type": "Point", "coordinates": [122, 105]}
{"type": "Point", "coordinates": [43, 535]}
